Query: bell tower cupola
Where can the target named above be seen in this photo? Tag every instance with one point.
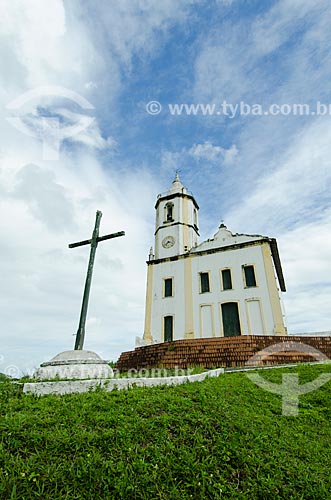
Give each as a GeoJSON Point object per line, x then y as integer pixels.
{"type": "Point", "coordinates": [176, 229]}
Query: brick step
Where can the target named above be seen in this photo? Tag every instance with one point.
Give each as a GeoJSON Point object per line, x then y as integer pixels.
{"type": "Point", "coordinates": [230, 351]}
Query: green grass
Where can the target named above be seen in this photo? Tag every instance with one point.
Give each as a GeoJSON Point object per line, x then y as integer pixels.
{"type": "Point", "coordinates": [222, 438]}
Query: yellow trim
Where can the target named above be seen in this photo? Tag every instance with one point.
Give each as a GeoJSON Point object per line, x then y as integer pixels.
{"type": "Point", "coordinates": [185, 228]}
{"type": "Point", "coordinates": [148, 310]}
{"type": "Point", "coordinates": [279, 327]}
{"type": "Point", "coordinates": [210, 251]}
{"type": "Point", "coordinates": [156, 246]}
{"type": "Point", "coordinates": [250, 330]}
{"type": "Point", "coordinates": [189, 323]}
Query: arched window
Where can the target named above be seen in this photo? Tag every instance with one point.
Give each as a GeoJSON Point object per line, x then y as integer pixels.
{"type": "Point", "coordinates": [169, 212]}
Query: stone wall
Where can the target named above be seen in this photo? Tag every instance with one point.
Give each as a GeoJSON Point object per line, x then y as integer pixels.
{"type": "Point", "coordinates": [223, 352]}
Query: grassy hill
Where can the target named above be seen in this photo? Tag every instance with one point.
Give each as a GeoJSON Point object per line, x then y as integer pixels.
{"type": "Point", "coordinates": [223, 438]}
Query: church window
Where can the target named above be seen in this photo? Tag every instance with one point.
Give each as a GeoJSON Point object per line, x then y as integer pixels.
{"type": "Point", "coordinates": [169, 209]}
{"type": "Point", "coordinates": [226, 279]}
{"type": "Point", "coordinates": [249, 274]}
{"type": "Point", "coordinates": [204, 282]}
{"type": "Point", "coordinates": [168, 287]}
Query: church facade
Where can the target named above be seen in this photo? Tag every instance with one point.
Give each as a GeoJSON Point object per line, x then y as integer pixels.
{"type": "Point", "coordinates": [228, 285]}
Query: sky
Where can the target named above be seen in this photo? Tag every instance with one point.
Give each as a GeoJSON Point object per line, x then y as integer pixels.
{"type": "Point", "coordinates": [78, 134]}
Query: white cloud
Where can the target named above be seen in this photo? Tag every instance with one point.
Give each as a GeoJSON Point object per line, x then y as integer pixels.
{"type": "Point", "coordinates": [295, 184]}
{"type": "Point", "coordinates": [276, 27]}
{"type": "Point", "coordinates": [90, 136]}
{"type": "Point", "coordinates": [221, 67]}
{"type": "Point", "coordinates": [306, 261]}
{"type": "Point", "coordinates": [207, 154]}
{"type": "Point", "coordinates": [39, 38]}
{"type": "Point", "coordinates": [207, 151]}
{"type": "Point", "coordinates": [232, 61]}
{"type": "Point", "coordinates": [133, 27]}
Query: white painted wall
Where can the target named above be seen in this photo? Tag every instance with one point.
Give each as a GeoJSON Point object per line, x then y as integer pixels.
{"type": "Point", "coordinates": [213, 263]}
{"type": "Point", "coordinates": [207, 321]}
{"type": "Point", "coordinates": [255, 318]}
{"type": "Point", "coordinates": [175, 230]}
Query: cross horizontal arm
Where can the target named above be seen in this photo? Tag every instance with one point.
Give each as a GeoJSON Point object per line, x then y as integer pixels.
{"type": "Point", "coordinates": [110, 236]}
{"type": "Point", "coordinates": [100, 238]}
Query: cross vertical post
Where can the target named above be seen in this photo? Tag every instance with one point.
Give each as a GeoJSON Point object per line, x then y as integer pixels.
{"type": "Point", "coordinates": [94, 243]}
{"type": "Point", "coordinates": [82, 320]}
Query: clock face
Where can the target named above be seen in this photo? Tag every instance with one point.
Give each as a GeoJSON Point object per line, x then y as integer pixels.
{"type": "Point", "coordinates": [168, 242]}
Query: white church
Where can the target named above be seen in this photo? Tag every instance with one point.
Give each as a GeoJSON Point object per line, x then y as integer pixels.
{"type": "Point", "coordinates": [226, 286]}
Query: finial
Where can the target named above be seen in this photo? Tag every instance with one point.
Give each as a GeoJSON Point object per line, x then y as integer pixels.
{"type": "Point", "coordinates": [222, 225]}
{"type": "Point", "coordinates": [176, 186]}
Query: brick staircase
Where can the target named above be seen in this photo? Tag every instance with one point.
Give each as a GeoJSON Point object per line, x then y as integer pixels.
{"type": "Point", "coordinates": [220, 352]}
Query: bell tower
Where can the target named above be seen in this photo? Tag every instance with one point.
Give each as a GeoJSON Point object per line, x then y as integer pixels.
{"type": "Point", "coordinates": [176, 228]}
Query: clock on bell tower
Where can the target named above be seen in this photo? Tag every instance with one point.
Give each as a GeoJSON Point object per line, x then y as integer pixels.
{"type": "Point", "coordinates": [176, 229]}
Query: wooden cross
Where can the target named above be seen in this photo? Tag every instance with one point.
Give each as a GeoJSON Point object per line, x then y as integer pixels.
{"type": "Point", "coordinates": [94, 243]}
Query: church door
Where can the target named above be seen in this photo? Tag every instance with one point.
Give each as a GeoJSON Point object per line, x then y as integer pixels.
{"type": "Point", "coordinates": [230, 318]}
{"type": "Point", "coordinates": [168, 328]}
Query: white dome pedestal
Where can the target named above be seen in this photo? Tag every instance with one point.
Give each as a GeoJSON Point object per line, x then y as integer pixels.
{"type": "Point", "coordinates": [74, 365]}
